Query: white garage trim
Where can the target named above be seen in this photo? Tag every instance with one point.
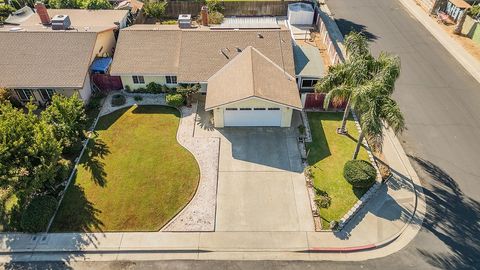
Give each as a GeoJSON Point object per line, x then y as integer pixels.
{"type": "Point", "coordinates": [252, 117]}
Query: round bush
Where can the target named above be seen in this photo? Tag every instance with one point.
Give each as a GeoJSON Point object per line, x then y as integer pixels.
{"type": "Point", "coordinates": [38, 213]}
{"type": "Point", "coordinates": [175, 100]}
{"type": "Point", "coordinates": [118, 100]}
{"type": "Point", "coordinates": [138, 98]}
{"type": "Point", "coordinates": [359, 173]}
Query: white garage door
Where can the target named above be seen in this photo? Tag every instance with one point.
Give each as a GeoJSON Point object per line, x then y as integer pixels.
{"type": "Point", "coordinates": [243, 117]}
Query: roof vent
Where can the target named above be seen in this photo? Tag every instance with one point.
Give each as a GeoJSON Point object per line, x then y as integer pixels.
{"type": "Point", "coordinates": [259, 35]}
{"type": "Point", "coordinates": [238, 49]}
{"type": "Point", "coordinates": [61, 22]}
{"type": "Point", "coordinates": [185, 20]}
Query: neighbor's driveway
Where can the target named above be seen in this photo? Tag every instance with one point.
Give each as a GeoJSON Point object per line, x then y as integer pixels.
{"type": "Point", "coordinates": [260, 185]}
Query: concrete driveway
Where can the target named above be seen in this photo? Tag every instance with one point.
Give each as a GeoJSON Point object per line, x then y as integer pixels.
{"type": "Point", "coordinates": [260, 185]}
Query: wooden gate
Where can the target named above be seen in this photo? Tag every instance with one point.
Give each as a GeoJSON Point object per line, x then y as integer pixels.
{"type": "Point", "coordinates": [314, 101]}
{"type": "Point", "coordinates": [107, 83]}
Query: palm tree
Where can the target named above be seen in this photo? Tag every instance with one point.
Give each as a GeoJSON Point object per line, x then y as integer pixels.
{"type": "Point", "coordinates": [342, 79]}
{"type": "Point", "coordinates": [376, 109]}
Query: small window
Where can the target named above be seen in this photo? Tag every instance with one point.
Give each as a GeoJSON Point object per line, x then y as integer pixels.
{"type": "Point", "coordinates": [171, 79]}
{"type": "Point", "coordinates": [25, 94]}
{"type": "Point", "coordinates": [259, 109]}
{"type": "Point", "coordinates": [273, 109]}
{"type": "Point", "coordinates": [245, 109]}
{"type": "Point", "coordinates": [231, 109]}
{"type": "Point", "coordinates": [309, 83]}
{"type": "Point", "coordinates": [138, 79]}
{"type": "Point", "coordinates": [47, 94]}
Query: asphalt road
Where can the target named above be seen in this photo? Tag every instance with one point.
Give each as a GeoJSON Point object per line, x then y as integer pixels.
{"type": "Point", "coordinates": [440, 101]}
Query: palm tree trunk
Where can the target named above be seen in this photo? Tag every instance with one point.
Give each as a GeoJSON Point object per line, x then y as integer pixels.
{"type": "Point", "coordinates": [343, 128]}
{"type": "Point", "coordinates": [359, 144]}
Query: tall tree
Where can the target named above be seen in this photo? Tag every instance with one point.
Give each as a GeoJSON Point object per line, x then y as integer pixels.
{"type": "Point", "coordinates": [343, 79]}
{"type": "Point", "coordinates": [375, 109]}
{"type": "Point", "coordinates": [29, 152]}
{"type": "Point", "coordinates": [155, 9]}
{"type": "Point", "coordinates": [67, 116]}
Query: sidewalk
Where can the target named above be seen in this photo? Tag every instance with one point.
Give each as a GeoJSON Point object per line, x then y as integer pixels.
{"type": "Point", "coordinates": [470, 63]}
{"type": "Point", "coordinates": [383, 220]}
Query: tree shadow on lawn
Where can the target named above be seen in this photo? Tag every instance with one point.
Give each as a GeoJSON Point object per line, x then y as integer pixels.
{"type": "Point", "coordinates": [318, 149]}
{"type": "Point", "coordinates": [76, 213]}
{"type": "Point", "coordinates": [92, 158]}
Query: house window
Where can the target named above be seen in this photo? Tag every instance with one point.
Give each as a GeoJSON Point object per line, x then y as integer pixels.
{"type": "Point", "coordinates": [308, 83]}
{"type": "Point", "coordinates": [25, 94]}
{"type": "Point", "coordinates": [46, 94]}
{"type": "Point", "coordinates": [138, 79]}
{"type": "Point", "coordinates": [231, 109]}
{"type": "Point", "coordinates": [245, 109]}
{"type": "Point", "coordinates": [171, 79]}
{"type": "Point", "coordinates": [258, 109]}
{"type": "Point", "coordinates": [273, 109]}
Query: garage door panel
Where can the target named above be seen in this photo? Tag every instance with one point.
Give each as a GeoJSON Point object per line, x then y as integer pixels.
{"type": "Point", "coordinates": [272, 118]}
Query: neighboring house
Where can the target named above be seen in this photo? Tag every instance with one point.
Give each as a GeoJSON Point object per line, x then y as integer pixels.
{"type": "Point", "coordinates": [247, 74]}
{"type": "Point", "coordinates": [309, 66]}
{"type": "Point", "coordinates": [38, 60]}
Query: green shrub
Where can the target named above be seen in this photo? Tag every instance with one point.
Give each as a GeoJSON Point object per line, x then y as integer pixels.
{"type": "Point", "coordinates": [359, 173]}
{"type": "Point", "coordinates": [4, 95]}
{"type": "Point", "coordinates": [214, 6]}
{"type": "Point", "coordinates": [38, 213]}
{"type": "Point", "coordinates": [138, 98]}
{"type": "Point", "coordinates": [154, 88]}
{"type": "Point", "coordinates": [165, 89]}
{"type": "Point", "coordinates": [128, 88]}
{"type": "Point", "coordinates": [323, 201]}
{"type": "Point", "coordinates": [474, 11]}
{"type": "Point", "coordinates": [175, 100]}
{"type": "Point", "coordinates": [215, 18]}
{"type": "Point", "coordinates": [170, 22]}
{"type": "Point", "coordinates": [118, 100]}
{"type": "Point", "coordinates": [64, 169]}
{"type": "Point", "coordinates": [94, 103]}
{"type": "Point", "coordinates": [301, 129]}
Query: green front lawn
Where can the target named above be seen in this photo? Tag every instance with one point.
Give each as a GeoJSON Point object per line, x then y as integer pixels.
{"type": "Point", "coordinates": [328, 153]}
{"type": "Point", "coordinates": [134, 175]}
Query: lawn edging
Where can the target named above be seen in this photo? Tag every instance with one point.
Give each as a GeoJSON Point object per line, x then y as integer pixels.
{"type": "Point", "coordinates": [310, 186]}
{"type": "Point", "coordinates": [371, 191]}
{"type": "Point", "coordinates": [77, 161]}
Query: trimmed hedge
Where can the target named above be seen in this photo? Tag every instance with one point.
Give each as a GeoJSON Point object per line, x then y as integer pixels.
{"type": "Point", "coordinates": [359, 173]}
{"type": "Point", "coordinates": [38, 213]}
{"type": "Point", "coordinates": [175, 100]}
{"type": "Point", "coordinates": [118, 100]}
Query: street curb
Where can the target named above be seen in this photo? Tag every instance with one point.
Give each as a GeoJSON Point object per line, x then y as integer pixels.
{"type": "Point", "coordinates": [466, 60]}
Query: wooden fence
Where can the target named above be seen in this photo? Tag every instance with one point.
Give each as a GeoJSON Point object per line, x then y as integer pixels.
{"type": "Point", "coordinates": [231, 8]}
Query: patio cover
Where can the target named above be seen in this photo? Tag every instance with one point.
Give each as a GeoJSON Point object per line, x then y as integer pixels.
{"type": "Point", "coordinates": [101, 65]}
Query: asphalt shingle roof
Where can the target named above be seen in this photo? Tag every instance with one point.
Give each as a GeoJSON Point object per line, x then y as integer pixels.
{"type": "Point", "coordinates": [194, 54]}
{"type": "Point", "coordinates": [252, 74]}
{"type": "Point", "coordinates": [45, 59]}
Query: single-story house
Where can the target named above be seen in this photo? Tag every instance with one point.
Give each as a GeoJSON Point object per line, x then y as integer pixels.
{"type": "Point", "coordinates": [248, 75]}
{"type": "Point", "coordinates": [43, 54]}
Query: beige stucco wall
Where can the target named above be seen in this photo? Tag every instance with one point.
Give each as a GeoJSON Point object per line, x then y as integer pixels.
{"type": "Point", "coordinates": [253, 103]}
{"type": "Point", "coordinates": [104, 44]}
{"type": "Point", "coordinates": [127, 80]}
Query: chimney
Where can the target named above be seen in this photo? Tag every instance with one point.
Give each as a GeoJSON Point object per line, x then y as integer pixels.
{"type": "Point", "coordinates": [42, 13]}
{"type": "Point", "coordinates": [204, 13]}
